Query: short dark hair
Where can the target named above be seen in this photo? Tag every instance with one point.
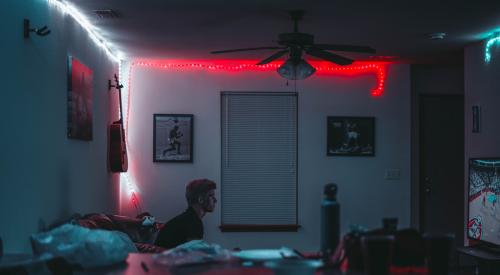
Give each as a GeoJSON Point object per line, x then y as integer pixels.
{"type": "Point", "coordinates": [197, 188]}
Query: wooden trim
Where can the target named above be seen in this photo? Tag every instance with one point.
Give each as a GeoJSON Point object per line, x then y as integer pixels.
{"type": "Point", "coordinates": [259, 227]}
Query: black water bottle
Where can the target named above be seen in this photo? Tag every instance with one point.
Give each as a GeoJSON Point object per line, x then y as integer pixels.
{"type": "Point", "coordinates": [330, 220]}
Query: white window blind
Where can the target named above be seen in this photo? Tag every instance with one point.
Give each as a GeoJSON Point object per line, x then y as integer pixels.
{"type": "Point", "coordinates": [259, 158]}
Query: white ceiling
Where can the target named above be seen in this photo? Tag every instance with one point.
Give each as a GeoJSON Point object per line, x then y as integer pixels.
{"type": "Point", "coordinates": [190, 29]}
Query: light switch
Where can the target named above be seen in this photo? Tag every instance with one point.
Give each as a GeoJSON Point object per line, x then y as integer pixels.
{"type": "Point", "coordinates": [392, 174]}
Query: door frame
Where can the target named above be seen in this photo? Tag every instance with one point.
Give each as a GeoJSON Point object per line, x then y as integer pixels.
{"type": "Point", "coordinates": [417, 213]}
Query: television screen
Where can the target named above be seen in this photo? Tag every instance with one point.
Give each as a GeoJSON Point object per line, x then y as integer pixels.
{"type": "Point", "coordinates": [484, 194]}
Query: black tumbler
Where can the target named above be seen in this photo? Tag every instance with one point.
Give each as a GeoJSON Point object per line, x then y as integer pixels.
{"type": "Point", "coordinates": [390, 225]}
{"type": "Point", "coordinates": [377, 254]}
{"type": "Point", "coordinates": [437, 253]}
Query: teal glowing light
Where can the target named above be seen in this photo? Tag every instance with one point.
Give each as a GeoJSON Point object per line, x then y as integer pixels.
{"type": "Point", "coordinates": [489, 44]}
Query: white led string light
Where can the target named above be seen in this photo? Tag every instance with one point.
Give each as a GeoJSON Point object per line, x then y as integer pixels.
{"type": "Point", "coordinates": [84, 22]}
{"type": "Point", "coordinates": [67, 8]}
{"type": "Point", "coordinates": [131, 187]}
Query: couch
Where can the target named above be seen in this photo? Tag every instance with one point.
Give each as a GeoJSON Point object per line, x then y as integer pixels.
{"type": "Point", "coordinates": [143, 236]}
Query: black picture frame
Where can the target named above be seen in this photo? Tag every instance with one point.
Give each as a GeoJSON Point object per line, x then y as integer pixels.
{"type": "Point", "coordinates": [173, 137]}
{"type": "Point", "coordinates": [350, 136]}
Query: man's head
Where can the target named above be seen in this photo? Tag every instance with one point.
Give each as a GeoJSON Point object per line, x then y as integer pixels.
{"type": "Point", "coordinates": [201, 192]}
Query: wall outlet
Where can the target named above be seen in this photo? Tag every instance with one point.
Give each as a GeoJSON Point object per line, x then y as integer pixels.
{"type": "Point", "coordinates": [392, 174]}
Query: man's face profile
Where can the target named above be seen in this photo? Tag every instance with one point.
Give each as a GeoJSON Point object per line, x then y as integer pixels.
{"type": "Point", "coordinates": [209, 201]}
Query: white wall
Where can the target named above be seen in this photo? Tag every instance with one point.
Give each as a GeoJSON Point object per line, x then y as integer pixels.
{"type": "Point", "coordinates": [482, 87]}
{"type": "Point", "coordinates": [43, 174]}
{"type": "Point", "coordinates": [364, 195]}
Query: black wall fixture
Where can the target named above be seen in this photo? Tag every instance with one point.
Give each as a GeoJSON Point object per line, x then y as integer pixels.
{"type": "Point", "coordinates": [43, 31]}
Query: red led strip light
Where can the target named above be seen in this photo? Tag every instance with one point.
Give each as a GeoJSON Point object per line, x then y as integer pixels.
{"type": "Point", "coordinates": [322, 68]}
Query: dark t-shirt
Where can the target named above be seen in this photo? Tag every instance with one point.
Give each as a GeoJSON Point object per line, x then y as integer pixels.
{"type": "Point", "coordinates": [182, 228]}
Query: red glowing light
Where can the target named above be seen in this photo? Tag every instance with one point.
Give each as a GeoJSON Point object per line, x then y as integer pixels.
{"type": "Point", "coordinates": [322, 68]}
{"type": "Point", "coordinates": [136, 202]}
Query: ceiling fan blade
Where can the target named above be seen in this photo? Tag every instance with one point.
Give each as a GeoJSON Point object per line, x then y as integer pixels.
{"type": "Point", "coordinates": [346, 48]}
{"type": "Point", "coordinates": [335, 58]}
{"type": "Point", "coordinates": [249, 49]}
{"type": "Point", "coordinates": [273, 57]}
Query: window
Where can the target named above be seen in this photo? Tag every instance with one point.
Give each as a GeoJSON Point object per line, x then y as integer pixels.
{"type": "Point", "coordinates": [259, 161]}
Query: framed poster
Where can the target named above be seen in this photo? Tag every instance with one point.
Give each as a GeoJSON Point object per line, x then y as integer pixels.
{"type": "Point", "coordinates": [172, 138]}
{"type": "Point", "coordinates": [80, 81]}
{"type": "Point", "coordinates": [350, 136]}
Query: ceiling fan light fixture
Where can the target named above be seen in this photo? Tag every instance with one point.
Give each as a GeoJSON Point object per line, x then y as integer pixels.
{"type": "Point", "coordinates": [296, 70]}
{"type": "Point", "coordinates": [437, 36]}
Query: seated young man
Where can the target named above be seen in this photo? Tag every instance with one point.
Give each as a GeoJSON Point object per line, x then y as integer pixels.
{"type": "Point", "coordinates": [187, 226]}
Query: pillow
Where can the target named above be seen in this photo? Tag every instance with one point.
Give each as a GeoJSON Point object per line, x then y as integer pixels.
{"type": "Point", "coordinates": [102, 221]}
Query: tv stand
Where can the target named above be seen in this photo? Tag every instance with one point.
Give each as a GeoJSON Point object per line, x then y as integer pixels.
{"type": "Point", "coordinates": [488, 258]}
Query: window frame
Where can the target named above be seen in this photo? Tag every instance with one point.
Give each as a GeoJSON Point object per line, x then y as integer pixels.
{"type": "Point", "coordinates": [261, 227]}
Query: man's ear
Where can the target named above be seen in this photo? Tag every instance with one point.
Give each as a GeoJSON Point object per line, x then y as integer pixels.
{"type": "Point", "coordinates": [201, 200]}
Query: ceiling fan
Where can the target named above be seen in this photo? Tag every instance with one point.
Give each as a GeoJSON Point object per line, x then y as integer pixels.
{"type": "Point", "coordinates": [295, 44]}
